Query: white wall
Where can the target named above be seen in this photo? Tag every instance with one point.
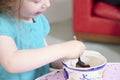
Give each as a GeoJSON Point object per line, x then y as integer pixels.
{"type": "Point", "coordinates": [60, 10]}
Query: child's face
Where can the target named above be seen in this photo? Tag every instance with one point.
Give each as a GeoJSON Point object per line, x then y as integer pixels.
{"type": "Point", "coordinates": [32, 8]}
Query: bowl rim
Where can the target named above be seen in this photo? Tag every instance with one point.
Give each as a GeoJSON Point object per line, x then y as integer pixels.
{"type": "Point", "coordinates": [95, 68]}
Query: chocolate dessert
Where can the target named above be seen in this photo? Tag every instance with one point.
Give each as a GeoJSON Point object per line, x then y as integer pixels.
{"type": "Point", "coordinates": [82, 64]}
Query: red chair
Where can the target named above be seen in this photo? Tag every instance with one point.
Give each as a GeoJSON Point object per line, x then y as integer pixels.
{"type": "Point", "coordinates": [96, 21]}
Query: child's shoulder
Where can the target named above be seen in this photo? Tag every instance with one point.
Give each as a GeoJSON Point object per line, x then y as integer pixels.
{"type": "Point", "coordinates": [5, 22]}
{"type": "Point", "coordinates": [2, 17]}
{"type": "Point", "coordinates": [6, 27]}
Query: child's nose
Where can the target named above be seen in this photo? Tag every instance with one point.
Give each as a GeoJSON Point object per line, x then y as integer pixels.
{"type": "Point", "coordinates": [46, 5]}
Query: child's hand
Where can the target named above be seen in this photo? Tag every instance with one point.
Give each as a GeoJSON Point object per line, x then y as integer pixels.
{"type": "Point", "coordinates": [73, 49]}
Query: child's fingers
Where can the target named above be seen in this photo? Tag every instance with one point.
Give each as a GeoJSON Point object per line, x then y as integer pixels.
{"type": "Point", "coordinates": [74, 37]}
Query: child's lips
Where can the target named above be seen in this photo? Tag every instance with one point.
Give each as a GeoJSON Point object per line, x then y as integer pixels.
{"type": "Point", "coordinates": [37, 13]}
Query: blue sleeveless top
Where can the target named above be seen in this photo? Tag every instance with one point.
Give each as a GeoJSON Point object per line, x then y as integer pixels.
{"type": "Point", "coordinates": [26, 36]}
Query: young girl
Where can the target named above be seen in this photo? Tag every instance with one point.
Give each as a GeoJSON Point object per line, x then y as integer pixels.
{"type": "Point", "coordinates": [23, 54]}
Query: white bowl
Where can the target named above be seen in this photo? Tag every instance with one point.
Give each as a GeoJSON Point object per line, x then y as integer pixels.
{"type": "Point", "coordinates": [97, 64]}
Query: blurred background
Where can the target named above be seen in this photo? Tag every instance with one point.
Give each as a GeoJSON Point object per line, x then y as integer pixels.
{"type": "Point", "coordinates": [60, 16]}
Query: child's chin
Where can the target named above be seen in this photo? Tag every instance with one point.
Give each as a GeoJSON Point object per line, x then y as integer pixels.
{"type": "Point", "coordinates": [35, 16]}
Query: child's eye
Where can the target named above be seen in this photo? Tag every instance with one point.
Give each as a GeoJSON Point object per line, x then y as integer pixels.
{"type": "Point", "coordinates": [37, 1]}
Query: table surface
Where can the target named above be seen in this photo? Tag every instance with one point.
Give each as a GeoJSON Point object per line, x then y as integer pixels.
{"type": "Point", "coordinates": [112, 72]}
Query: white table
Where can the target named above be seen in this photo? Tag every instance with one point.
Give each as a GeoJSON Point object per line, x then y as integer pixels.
{"type": "Point", "coordinates": [112, 72]}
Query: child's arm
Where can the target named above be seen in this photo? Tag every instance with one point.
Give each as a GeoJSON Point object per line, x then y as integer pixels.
{"type": "Point", "coordinates": [16, 61]}
{"type": "Point", "coordinates": [56, 64]}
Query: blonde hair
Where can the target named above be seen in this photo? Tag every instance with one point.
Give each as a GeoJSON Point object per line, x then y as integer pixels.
{"type": "Point", "coordinates": [7, 5]}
